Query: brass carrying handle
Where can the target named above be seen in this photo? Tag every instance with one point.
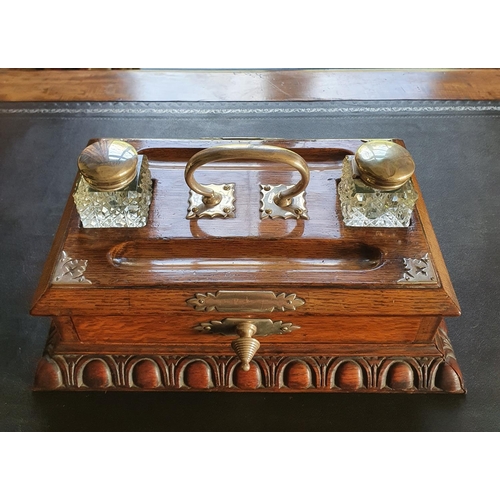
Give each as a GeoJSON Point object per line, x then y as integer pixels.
{"type": "Point", "coordinates": [247, 152]}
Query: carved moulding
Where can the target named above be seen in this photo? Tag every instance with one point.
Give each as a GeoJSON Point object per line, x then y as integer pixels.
{"type": "Point", "coordinates": [312, 373]}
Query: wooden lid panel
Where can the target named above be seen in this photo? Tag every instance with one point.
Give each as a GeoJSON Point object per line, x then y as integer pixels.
{"type": "Point", "coordinates": [246, 252]}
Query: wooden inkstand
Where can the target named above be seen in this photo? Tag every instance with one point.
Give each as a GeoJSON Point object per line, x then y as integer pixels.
{"type": "Point", "coordinates": [252, 275]}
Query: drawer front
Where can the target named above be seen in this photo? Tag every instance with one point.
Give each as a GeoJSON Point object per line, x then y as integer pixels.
{"type": "Point", "coordinates": [220, 329]}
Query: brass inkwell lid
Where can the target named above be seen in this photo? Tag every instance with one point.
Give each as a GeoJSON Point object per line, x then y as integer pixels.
{"type": "Point", "coordinates": [108, 164]}
{"type": "Point", "coordinates": [384, 165]}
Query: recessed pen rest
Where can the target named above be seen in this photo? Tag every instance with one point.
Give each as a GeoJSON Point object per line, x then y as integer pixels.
{"type": "Point", "coordinates": [228, 254]}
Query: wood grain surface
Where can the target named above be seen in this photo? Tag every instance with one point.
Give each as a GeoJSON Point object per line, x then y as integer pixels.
{"type": "Point", "coordinates": [336, 269]}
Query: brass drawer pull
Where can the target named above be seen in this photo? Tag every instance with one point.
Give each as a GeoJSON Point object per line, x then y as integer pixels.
{"type": "Point", "coordinates": [217, 200]}
{"type": "Point", "coordinates": [246, 346]}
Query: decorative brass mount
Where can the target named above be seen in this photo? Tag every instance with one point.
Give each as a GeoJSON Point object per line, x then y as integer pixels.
{"type": "Point", "coordinates": [249, 301]}
{"type": "Point", "coordinates": [269, 209]}
{"type": "Point", "coordinates": [217, 200]}
{"type": "Point", "coordinates": [224, 208]}
{"type": "Point", "coordinates": [419, 271]}
{"type": "Point", "coordinates": [246, 346]}
{"type": "Point", "coordinates": [70, 271]}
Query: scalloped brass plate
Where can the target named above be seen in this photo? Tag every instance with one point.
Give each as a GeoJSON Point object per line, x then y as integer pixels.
{"type": "Point", "coordinates": [270, 210]}
{"type": "Point", "coordinates": [225, 209]}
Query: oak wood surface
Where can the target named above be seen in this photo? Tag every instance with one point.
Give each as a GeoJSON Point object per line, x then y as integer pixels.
{"type": "Point", "coordinates": [178, 329]}
{"type": "Point", "coordinates": [247, 85]}
{"type": "Point", "coordinates": [336, 269]}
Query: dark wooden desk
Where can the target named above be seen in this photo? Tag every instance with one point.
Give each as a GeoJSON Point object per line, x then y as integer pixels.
{"type": "Point", "coordinates": [225, 85]}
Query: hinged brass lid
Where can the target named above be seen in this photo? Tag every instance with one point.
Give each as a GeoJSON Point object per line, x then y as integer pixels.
{"type": "Point", "coordinates": [108, 164]}
{"type": "Point", "coordinates": [384, 165]}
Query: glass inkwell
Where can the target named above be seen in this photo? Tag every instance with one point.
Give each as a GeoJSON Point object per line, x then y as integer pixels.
{"type": "Point", "coordinates": [114, 188]}
{"type": "Point", "coordinates": [376, 189]}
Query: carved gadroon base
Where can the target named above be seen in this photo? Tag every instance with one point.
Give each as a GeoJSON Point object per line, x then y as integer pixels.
{"type": "Point", "coordinates": [312, 373]}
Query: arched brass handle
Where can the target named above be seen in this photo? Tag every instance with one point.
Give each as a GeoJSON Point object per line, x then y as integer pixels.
{"type": "Point", "coordinates": [247, 152]}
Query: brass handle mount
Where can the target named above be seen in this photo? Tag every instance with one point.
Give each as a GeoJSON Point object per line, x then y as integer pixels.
{"type": "Point", "coordinates": [215, 195]}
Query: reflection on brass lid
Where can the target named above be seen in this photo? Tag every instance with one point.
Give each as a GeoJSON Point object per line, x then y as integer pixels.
{"type": "Point", "coordinates": [384, 165]}
{"type": "Point", "coordinates": [108, 164]}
